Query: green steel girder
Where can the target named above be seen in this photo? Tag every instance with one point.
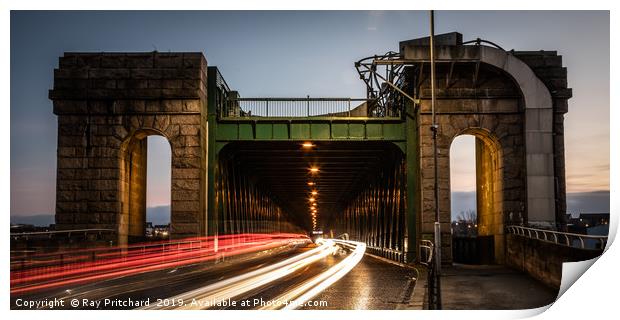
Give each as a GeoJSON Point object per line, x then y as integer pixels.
{"type": "Point", "coordinates": [311, 129]}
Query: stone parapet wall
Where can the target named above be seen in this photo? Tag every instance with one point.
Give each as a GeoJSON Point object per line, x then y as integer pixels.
{"type": "Point", "coordinates": [541, 259]}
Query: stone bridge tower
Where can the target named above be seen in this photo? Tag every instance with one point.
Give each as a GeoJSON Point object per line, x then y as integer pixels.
{"type": "Point", "coordinates": [107, 104]}
{"type": "Point", "coordinates": [514, 103]}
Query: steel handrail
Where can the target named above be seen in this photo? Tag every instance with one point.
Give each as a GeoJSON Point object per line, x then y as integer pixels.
{"type": "Point", "coordinates": [427, 244]}
{"type": "Point", "coordinates": [238, 107]}
{"type": "Point", "coordinates": [300, 99]}
{"type": "Point", "coordinates": [479, 41]}
{"type": "Point", "coordinates": [59, 231]}
{"type": "Point", "coordinates": [535, 233]}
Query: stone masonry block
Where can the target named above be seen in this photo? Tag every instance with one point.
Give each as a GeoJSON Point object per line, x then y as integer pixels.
{"type": "Point", "coordinates": [186, 173]}
{"type": "Point", "coordinates": [139, 60]}
{"type": "Point", "coordinates": [185, 184]}
{"type": "Point", "coordinates": [106, 73]}
{"type": "Point", "coordinates": [104, 185]}
{"type": "Point", "coordinates": [182, 195]}
{"type": "Point", "coordinates": [192, 206]}
{"type": "Point", "coordinates": [180, 162]}
{"type": "Point", "coordinates": [168, 60]}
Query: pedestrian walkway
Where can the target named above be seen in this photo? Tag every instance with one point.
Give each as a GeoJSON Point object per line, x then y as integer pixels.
{"type": "Point", "coordinates": [480, 287]}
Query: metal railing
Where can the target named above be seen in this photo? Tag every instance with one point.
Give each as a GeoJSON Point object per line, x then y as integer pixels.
{"type": "Point", "coordinates": [17, 235]}
{"type": "Point", "coordinates": [568, 239]}
{"type": "Point", "coordinates": [219, 91]}
{"type": "Point", "coordinates": [426, 252]}
{"type": "Point", "coordinates": [229, 105]}
{"type": "Point", "coordinates": [300, 107]}
{"type": "Point", "coordinates": [427, 258]}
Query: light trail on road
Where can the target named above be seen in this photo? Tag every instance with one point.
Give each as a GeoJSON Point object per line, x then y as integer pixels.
{"type": "Point", "coordinates": [303, 293]}
{"type": "Point", "coordinates": [209, 296]}
{"type": "Point", "coordinates": [137, 259]}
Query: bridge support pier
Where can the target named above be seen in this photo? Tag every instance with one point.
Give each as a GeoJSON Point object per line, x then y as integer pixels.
{"type": "Point", "coordinates": [107, 104]}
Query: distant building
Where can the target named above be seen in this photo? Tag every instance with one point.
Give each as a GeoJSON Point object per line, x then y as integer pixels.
{"type": "Point", "coordinates": [157, 232]}
{"type": "Point", "coordinates": [464, 229]}
{"type": "Point", "coordinates": [587, 221]}
{"type": "Point", "coordinates": [148, 230]}
{"type": "Point", "coordinates": [22, 228]}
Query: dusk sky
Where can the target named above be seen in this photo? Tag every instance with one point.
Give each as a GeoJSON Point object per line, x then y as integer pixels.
{"type": "Point", "coordinates": [294, 54]}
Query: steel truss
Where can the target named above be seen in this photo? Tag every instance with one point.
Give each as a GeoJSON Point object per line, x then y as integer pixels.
{"type": "Point", "coordinates": [385, 80]}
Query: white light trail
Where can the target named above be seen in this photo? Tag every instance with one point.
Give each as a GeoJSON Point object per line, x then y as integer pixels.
{"type": "Point", "coordinates": [309, 289]}
{"type": "Point", "coordinates": [238, 285]}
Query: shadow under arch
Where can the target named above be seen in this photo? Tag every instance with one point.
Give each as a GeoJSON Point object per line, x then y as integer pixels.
{"type": "Point", "coordinates": [133, 184]}
{"type": "Point", "coordinates": [489, 193]}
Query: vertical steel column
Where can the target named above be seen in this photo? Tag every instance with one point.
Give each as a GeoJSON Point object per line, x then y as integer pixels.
{"type": "Point", "coordinates": [436, 189]}
{"type": "Point", "coordinates": [376, 215]}
{"type": "Point", "coordinates": [211, 214]}
{"type": "Point", "coordinates": [242, 206]}
{"type": "Point", "coordinates": [412, 201]}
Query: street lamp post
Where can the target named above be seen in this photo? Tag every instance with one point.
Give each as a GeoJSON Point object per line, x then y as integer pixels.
{"type": "Point", "coordinates": [434, 128]}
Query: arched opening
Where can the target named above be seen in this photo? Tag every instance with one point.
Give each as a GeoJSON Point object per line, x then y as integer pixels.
{"type": "Point", "coordinates": [476, 198]}
{"type": "Point", "coordinates": [463, 205]}
{"type": "Point", "coordinates": [158, 188]}
{"type": "Point", "coordinates": [318, 187]}
{"type": "Point", "coordinates": [132, 222]}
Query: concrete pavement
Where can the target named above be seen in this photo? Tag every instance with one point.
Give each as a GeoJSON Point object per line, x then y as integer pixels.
{"type": "Point", "coordinates": [481, 287]}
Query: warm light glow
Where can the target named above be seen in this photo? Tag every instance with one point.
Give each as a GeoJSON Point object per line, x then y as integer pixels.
{"type": "Point", "coordinates": [250, 281]}
{"type": "Point", "coordinates": [310, 183]}
{"type": "Point", "coordinates": [141, 258]}
{"type": "Point", "coordinates": [314, 169]}
{"type": "Point", "coordinates": [314, 193]}
{"type": "Point", "coordinates": [312, 199]}
{"type": "Point", "coordinates": [316, 285]}
{"type": "Point", "coordinates": [307, 145]}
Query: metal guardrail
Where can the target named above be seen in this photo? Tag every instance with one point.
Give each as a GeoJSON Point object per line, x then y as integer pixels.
{"type": "Point", "coordinates": [562, 238]}
{"type": "Point", "coordinates": [229, 105]}
{"type": "Point", "coordinates": [18, 234]}
{"type": "Point", "coordinates": [427, 258]}
{"type": "Point", "coordinates": [299, 107]}
{"type": "Point", "coordinates": [426, 252]}
{"type": "Point", "coordinates": [479, 41]}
